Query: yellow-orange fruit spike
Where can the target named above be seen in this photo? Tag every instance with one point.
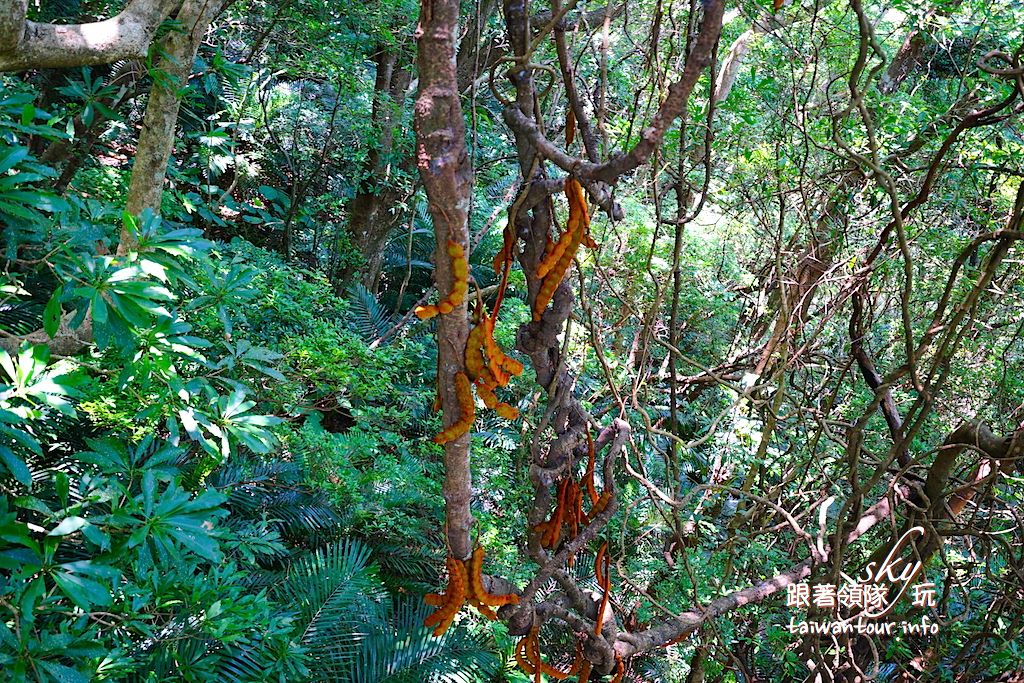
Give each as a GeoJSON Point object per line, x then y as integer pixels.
{"type": "Point", "coordinates": [542, 529]}
{"type": "Point", "coordinates": [487, 395]}
{"type": "Point", "coordinates": [533, 652]}
{"type": "Point", "coordinates": [511, 365]}
{"type": "Point", "coordinates": [574, 508]}
{"type": "Point", "coordinates": [454, 598]}
{"type": "Point", "coordinates": [483, 609]}
{"type": "Point", "coordinates": [465, 422]}
{"type": "Point", "coordinates": [426, 312]}
{"type": "Point", "coordinates": [555, 253]}
{"type": "Point", "coordinates": [508, 412]}
{"type": "Point", "coordinates": [474, 571]}
{"type": "Point", "coordinates": [475, 568]}
{"type": "Point", "coordinates": [588, 476]}
{"type": "Point", "coordinates": [588, 241]}
{"type": "Point", "coordinates": [474, 351]}
{"type": "Point", "coordinates": [604, 580]}
{"type": "Point", "coordinates": [585, 672]}
{"type": "Point", "coordinates": [457, 253]}
{"type": "Point", "coordinates": [599, 564]}
{"type": "Point", "coordinates": [445, 624]}
{"type": "Point", "coordinates": [553, 531]}
{"type": "Point", "coordinates": [577, 200]}
{"type": "Point", "coordinates": [528, 657]}
{"type": "Point", "coordinates": [620, 670]}
{"type": "Point", "coordinates": [460, 273]}
{"type": "Point", "coordinates": [570, 127]}
{"type": "Point", "coordinates": [600, 505]}
{"type": "Point", "coordinates": [494, 353]}
{"type": "Point", "coordinates": [521, 658]}
{"type": "Point", "coordinates": [554, 277]}
{"type": "Point", "coordinates": [434, 599]}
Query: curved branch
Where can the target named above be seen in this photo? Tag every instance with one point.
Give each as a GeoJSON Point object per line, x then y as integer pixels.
{"type": "Point", "coordinates": [673, 106]}
{"type": "Point", "coordinates": [29, 45]}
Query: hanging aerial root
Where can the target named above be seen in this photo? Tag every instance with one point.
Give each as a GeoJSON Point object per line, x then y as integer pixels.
{"type": "Point", "coordinates": [460, 285]}
{"type": "Point", "coordinates": [467, 411]}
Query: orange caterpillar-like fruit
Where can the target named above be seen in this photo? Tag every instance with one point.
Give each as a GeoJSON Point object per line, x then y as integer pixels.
{"type": "Point", "coordinates": [600, 505]}
{"type": "Point", "coordinates": [575, 229]}
{"type": "Point", "coordinates": [460, 284]}
{"type": "Point", "coordinates": [555, 253]}
{"type": "Point", "coordinates": [488, 366]}
{"type": "Point", "coordinates": [451, 601]}
{"type": "Point", "coordinates": [551, 530]}
{"type": "Point", "coordinates": [503, 264]}
{"type": "Point", "coordinates": [467, 408]}
{"type": "Point", "coordinates": [602, 563]}
{"type": "Point", "coordinates": [620, 670]}
{"type": "Point", "coordinates": [580, 199]}
{"type": "Point", "coordinates": [477, 591]}
{"type": "Point", "coordinates": [485, 391]}
{"type": "Point", "coordinates": [588, 476]}
{"type": "Point", "coordinates": [599, 564]}
{"type": "Point", "coordinates": [475, 363]}
{"type": "Point", "coordinates": [528, 658]}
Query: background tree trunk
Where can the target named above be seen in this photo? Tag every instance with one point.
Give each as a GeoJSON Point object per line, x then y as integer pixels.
{"type": "Point", "coordinates": [156, 140]}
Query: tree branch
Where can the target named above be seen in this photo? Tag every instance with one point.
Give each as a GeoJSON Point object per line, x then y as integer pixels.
{"type": "Point", "coordinates": [29, 45]}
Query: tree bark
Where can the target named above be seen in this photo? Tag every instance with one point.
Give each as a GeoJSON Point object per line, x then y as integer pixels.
{"type": "Point", "coordinates": [29, 45]}
{"type": "Point", "coordinates": [156, 141]}
{"type": "Point", "coordinates": [371, 212]}
{"type": "Point", "coordinates": [443, 162]}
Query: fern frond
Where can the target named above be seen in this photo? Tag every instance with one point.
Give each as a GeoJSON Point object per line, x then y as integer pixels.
{"type": "Point", "coordinates": [369, 318]}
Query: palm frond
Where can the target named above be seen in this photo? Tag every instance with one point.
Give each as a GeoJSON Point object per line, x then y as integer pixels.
{"type": "Point", "coordinates": [21, 317]}
{"type": "Point", "coordinates": [407, 652]}
{"type": "Point", "coordinates": [369, 318]}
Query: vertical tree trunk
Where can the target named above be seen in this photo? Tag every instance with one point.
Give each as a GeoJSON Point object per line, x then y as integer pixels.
{"type": "Point", "coordinates": [156, 141]}
{"type": "Point", "coordinates": [371, 212]}
{"type": "Point", "coordinates": [444, 168]}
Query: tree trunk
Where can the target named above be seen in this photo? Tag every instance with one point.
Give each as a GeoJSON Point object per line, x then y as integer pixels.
{"type": "Point", "coordinates": [156, 141]}
{"type": "Point", "coordinates": [444, 168]}
{"type": "Point", "coordinates": [371, 211]}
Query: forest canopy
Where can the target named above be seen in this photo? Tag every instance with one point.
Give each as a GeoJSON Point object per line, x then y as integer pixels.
{"type": "Point", "coordinates": [653, 340]}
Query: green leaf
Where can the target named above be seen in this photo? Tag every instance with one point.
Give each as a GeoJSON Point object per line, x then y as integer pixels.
{"type": "Point", "coordinates": [13, 157]}
{"type": "Point", "coordinates": [15, 465]}
{"type": "Point", "coordinates": [68, 526]}
{"type": "Point", "coordinates": [63, 674]}
{"type": "Point", "coordinates": [76, 580]}
{"type": "Point", "coordinates": [52, 313]}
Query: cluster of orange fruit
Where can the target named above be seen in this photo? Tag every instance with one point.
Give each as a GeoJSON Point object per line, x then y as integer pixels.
{"type": "Point", "coordinates": [465, 584]}
{"type": "Point", "coordinates": [569, 504]}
